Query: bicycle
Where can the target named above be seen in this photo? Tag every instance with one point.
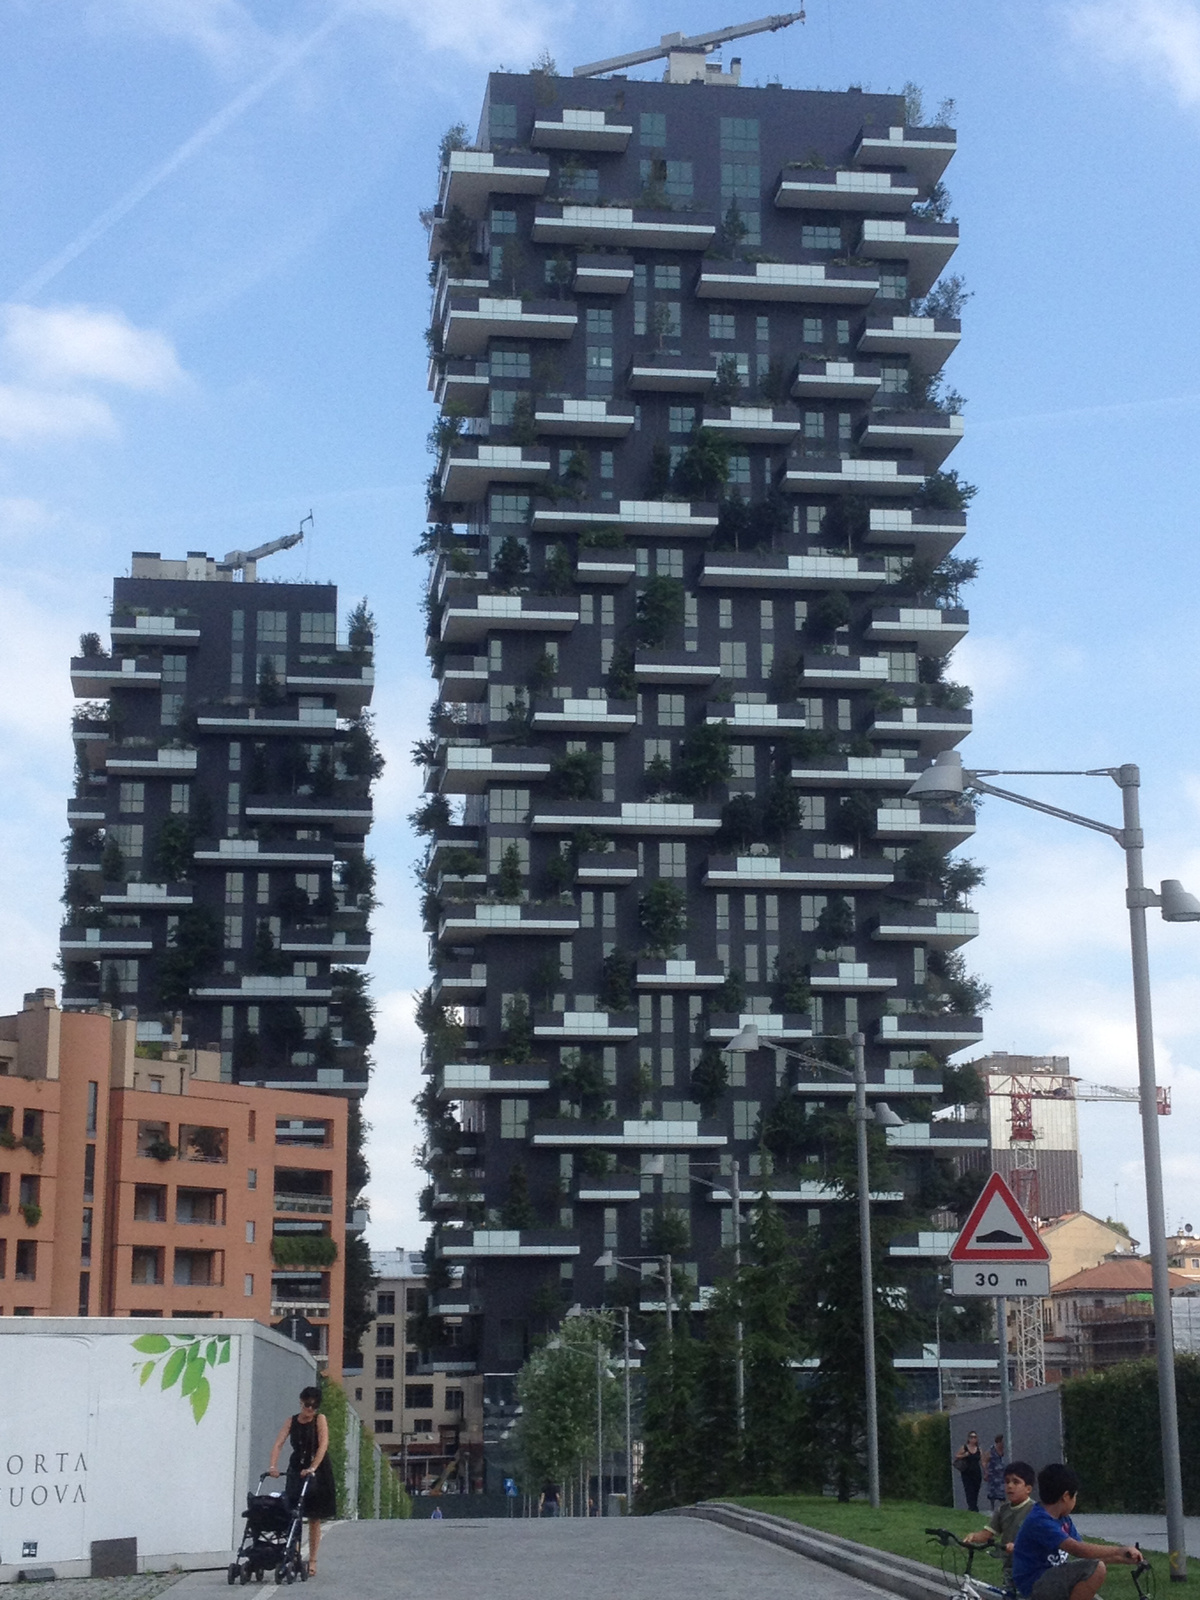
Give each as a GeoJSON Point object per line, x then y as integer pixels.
{"type": "Point", "coordinates": [969, 1587]}
{"type": "Point", "coordinates": [972, 1588]}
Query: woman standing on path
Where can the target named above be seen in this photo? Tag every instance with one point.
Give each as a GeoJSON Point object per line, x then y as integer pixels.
{"type": "Point", "coordinates": [969, 1462]}
{"type": "Point", "coordinates": [308, 1434]}
{"type": "Point", "coordinates": [993, 1471]}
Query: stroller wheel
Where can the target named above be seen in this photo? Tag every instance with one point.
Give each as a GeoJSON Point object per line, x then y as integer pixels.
{"type": "Point", "coordinates": [232, 1574]}
{"type": "Point", "coordinates": [281, 1574]}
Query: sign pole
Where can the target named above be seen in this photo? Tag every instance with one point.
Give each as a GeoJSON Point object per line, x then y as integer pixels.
{"type": "Point", "coordinates": [1005, 1390]}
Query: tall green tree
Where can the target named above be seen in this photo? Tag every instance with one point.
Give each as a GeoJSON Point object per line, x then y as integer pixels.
{"type": "Point", "coordinates": [769, 1292]}
{"type": "Point", "coordinates": [556, 1389]}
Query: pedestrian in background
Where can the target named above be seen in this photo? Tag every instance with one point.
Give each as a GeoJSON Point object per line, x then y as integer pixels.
{"type": "Point", "coordinates": [993, 1471]}
{"type": "Point", "coordinates": [969, 1462]}
{"type": "Point", "coordinates": [548, 1504]}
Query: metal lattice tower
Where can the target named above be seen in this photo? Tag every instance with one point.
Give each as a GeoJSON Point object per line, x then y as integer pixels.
{"type": "Point", "coordinates": [1027, 1310]}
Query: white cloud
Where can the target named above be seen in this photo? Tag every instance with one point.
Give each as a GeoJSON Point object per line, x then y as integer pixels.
{"type": "Point", "coordinates": [484, 32]}
{"type": "Point", "coordinates": [1158, 38]}
{"type": "Point", "coordinates": [52, 357]}
{"type": "Point", "coordinates": [222, 30]}
{"type": "Point", "coordinates": [63, 344]}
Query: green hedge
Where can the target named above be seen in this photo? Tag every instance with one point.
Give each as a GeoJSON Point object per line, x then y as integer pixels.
{"type": "Point", "coordinates": [303, 1250]}
{"type": "Point", "coordinates": [1110, 1427]}
{"type": "Point", "coordinates": [393, 1499]}
{"type": "Point", "coordinates": [918, 1460]}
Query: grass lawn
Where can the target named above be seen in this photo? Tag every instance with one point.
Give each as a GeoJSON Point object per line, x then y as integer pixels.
{"type": "Point", "coordinates": [899, 1526]}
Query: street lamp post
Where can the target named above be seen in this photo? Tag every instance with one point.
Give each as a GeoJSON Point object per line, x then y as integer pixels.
{"type": "Point", "coordinates": [599, 1429]}
{"type": "Point", "coordinates": [747, 1040]}
{"type": "Point", "coordinates": [946, 780]}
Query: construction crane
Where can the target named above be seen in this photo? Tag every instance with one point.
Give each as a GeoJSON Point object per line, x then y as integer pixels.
{"type": "Point", "coordinates": [699, 44]}
{"type": "Point", "coordinates": [1021, 1089]}
{"type": "Point", "coordinates": [247, 560]}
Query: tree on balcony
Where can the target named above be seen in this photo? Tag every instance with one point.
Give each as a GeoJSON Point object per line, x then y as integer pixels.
{"type": "Point", "coordinates": [174, 847]}
{"type": "Point", "coordinates": [358, 881]}
{"type": "Point", "coordinates": [855, 817]}
{"type": "Point", "coordinates": [360, 753]}
{"type": "Point", "coordinates": [831, 612]}
{"type": "Point", "coordinates": [581, 1080]}
{"type": "Point", "coordinates": [432, 816]}
{"type": "Point", "coordinates": [782, 809]}
{"type": "Point", "coordinates": [292, 902]}
{"type": "Point", "coordinates": [510, 565]}
{"type": "Point", "coordinates": [617, 974]}
{"type": "Point", "coordinates": [741, 822]}
{"type": "Point", "coordinates": [710, 1079]}
{"type": "Point", "coordinates": [510, 879]}
{"type": "Point", "coordinates": [517, 1034]}
{"type": "Point", "coordinates": [658, 474]}
{"type": "Point", "coordinates": [575, 775]}
{"type": "Point", "coordinates": [194, 952]}
{"type": "Point", "coordinates": [356, 1009]}
{"type": "Point", "coordinates": [835, 925]}
{"type": "Point", "coordinates": [704, 760]}
{"type": "Point", "coordinates": [946, 491]}
{"type": "Point", "coordinates": [282, 1026]}
{"type": "Point", "coordinates": [659, 612]}
{"type": "Point", "coordinates": [266, 958]}
{"type": "Point", "coordinates": [271, 691]}
{"type": "Point", "coordinates": [792, 994]}
{"type": "Point", "coordinates": [360, 631]}
{"type": "Point", "coordinates": [950, 989]}
{"type": "Point", "coordinates": [703, 469]}
{"type": "Point", "coordinates": [112, 862]}
{"type": "Point", "coordinates": [622, 679]}
{"type": "Point", "coordinates": [730, 999]}
{"type": "Point", "coordinates": [90, 647]}
{"type": "Point", "coordinates": [517, 1211]}
{"type": "Point", "coordinates": [662, 915]}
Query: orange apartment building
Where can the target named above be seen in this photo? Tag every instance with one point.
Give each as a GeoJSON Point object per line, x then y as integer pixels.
{"type": "Point", "coordinates": [142, 1185]}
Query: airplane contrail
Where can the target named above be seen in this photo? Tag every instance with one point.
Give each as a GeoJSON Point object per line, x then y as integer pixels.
{"type": "Point", "coordinates": [212, 129]}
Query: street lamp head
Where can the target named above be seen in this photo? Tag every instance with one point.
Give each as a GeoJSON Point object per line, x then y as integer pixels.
{"type": "Point", "coordinates": [941, 781]}
{"type": "Point", "coordinates": [1177, 904]}
{"type": "Point", "coordinates": [605, 1260]}
{"type": "Point", "coordinates": [885, 1117]}
{"type": "Point", "coordinates": [744, 1042]}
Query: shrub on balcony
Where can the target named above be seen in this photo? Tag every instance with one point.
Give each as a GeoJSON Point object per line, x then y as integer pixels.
{"type": "Point", "coordinates": [581, 1080]}
{"type": "Point", "coordinates": [31, 1213]}
{"type": "Point", "coordinates": [730, 998]}
{"type": "Point", "coordinates": [358, 881]}
{"type": "Point", "coordinates": [782, 809]}
{"type": "Point", "coordinates": [431, 817]}
{"type": "Point", "coordinates": [835, 925]}
{"type": "Point", "coordinates": [90, 647]}
{"type": "Point", "coordinates": [622, 680]}
{"type": "Point", "coordinates": [517, 1211]}
{"type": "Point", "coordinates": [303, 1250]}
{"type": "Point", "coordinates": [662, 914]}
{"type": "Point", "coordinates": [356, 1009]}
{"type": "Point", "coordinates": [517, 1031]}
{"type": "Point", "coordinates": [658, 474]}
{"type": "Point", "coordinates": [854, 819]}
{"type": "Point", "coordinates": [266, 958]}
{"type": "Point", "coordinates": [360, 752]}
{"type": "Point", "coordinates": [670, 1233]}
{"type": "Point", "coordinates": [112, 862]}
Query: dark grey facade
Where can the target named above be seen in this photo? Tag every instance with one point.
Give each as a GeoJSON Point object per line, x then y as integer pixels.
{"type": "Point", "coordinates": [215, 866]}
{"type": "Point", "coordinates": [689, 614]}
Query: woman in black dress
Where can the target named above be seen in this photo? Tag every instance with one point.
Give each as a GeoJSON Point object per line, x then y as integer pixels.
{"type": "Point", "coordinates": [308, 1434]}
{"type": "Point", "coordinates": [969, 1461]}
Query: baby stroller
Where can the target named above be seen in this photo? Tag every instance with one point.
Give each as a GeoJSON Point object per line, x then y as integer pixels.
{"type": "Point", "coordinates": [271, 1539]}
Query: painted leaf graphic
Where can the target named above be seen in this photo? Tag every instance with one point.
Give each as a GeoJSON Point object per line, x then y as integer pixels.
{"type": "Point", "coordinates": [146, 1371]}
{"type": "Point", "coordinates": [173, 1366]}
{"type": "Point", "coordinates": [193, 1375]}
{"type": "Point", "coordinates": [152, 1344]}
{"type": "Point", "coordinates": [210, 1353]}
{"type": "Point", "coordinates": [224, 1356]}
{"type": "Point", "coordinates": [199, 1398]}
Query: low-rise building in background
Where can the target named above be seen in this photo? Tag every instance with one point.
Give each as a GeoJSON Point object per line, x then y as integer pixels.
{"type": "Point", "coordinates": [135, 1183]}
{"type": "Point", "coordinates": [413, 1397]}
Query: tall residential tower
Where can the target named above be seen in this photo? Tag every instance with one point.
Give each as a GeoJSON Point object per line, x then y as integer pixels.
{"type": "Point", "coordinates": [216, 876]}
{"type": "Point", "coordinates": [690, 609]}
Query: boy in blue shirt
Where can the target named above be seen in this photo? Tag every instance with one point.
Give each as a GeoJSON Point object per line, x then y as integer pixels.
{"type": "Point", "coordinates": [1050, 1560]}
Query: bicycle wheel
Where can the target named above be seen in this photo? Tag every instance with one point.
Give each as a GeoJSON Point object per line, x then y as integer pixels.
{"type": "Point", "coordinates": [953, 1561]}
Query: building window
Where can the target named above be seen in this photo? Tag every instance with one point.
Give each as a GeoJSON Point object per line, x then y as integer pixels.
{"type": "Point", "coordinates": [248, 1285]}
{"type": "Point", "coordinates": [422, 1424]}
{"type": "Point", "coordinates": [733, 658]}
{"type": "Point", "coordinates": [384, 1425]}
{"type": "Point", "coordinates": [820, 237]}
{"type": "Point", "coordinates": [197, 1268]}
{"type": "Point", "coordinates": [893, 285]}
{"type": "Point", "coordinates": [514, 1118]}
{"type": "Point", "coordinates": [741, 757]}
{"type": "Point", "coordinates": [652, 130]}
{"type": "Point", "coordinates": [578, 180]}
{"type": "Point", "coordinates": [93, 1107]}
{"type": "Point", "coordinates": [509, 363]}
{"type": "Point", "coordinates": [418, 1396]}
{"type": "Point", "coordinates": [502, 403]}
{"type": "Point", "coordinates": [681, 419]}
{"type": "Point", "coordinates": [739, 134]}
{"type": "Point", "coordinates": [272, 627]}
{"type": "Point", "coordinates": [503, 222]}
{"type": "Point", "coordinates": [385, 1335]}
{"type": "Point", "coordinates": [171, 707]}
{"type": "Point", "coordinates": [147, 1265]}
{"type": "Point", "coordinates": [508, 805]}
{"type": "Point", "coordinates": [384, 1400]}
{"type": "Point", "coordinates": [722, 325]}
{"type": "Point", "coordinates": [454, 1400]}
{"type": "Point", "coordinates": [813, 331]}
{"type": "Point", "coordinates": [893, 380]}
{"type": "Point", "coordinates": [181, 799]}
{"type": "Point", "coordinates": [385, 1303]}
{"type": "Point", "coordinates": [132, 798]}
{"type": "Point", "coordinates": [174, 669]}
{"type": "Point", "coordinates": [671, 712]}
{"type": "Point", "coordinates": [672, 859]}
{"type": "Point", "coordinates": [502, 122]}
{"type": "Point", "coordinates": [385, 1366]}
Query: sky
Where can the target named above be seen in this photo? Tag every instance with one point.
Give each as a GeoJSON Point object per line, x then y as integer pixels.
{"type": "Point", "coordinates": [212, 296]}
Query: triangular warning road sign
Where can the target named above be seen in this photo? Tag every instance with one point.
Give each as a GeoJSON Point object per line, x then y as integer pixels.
{"type": "Point", "coordinates": [997, 1229]}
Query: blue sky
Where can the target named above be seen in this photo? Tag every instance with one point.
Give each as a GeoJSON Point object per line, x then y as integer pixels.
{"type": "Point", "coordinates": [212, 294]}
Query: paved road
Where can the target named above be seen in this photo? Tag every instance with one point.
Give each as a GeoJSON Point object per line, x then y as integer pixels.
{"type": "Point", "coordinates": [644, 1558]}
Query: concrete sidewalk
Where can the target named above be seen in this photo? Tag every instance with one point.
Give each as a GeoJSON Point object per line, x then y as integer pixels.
{"type": "Point", "coordinates": [1147, 1530]}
